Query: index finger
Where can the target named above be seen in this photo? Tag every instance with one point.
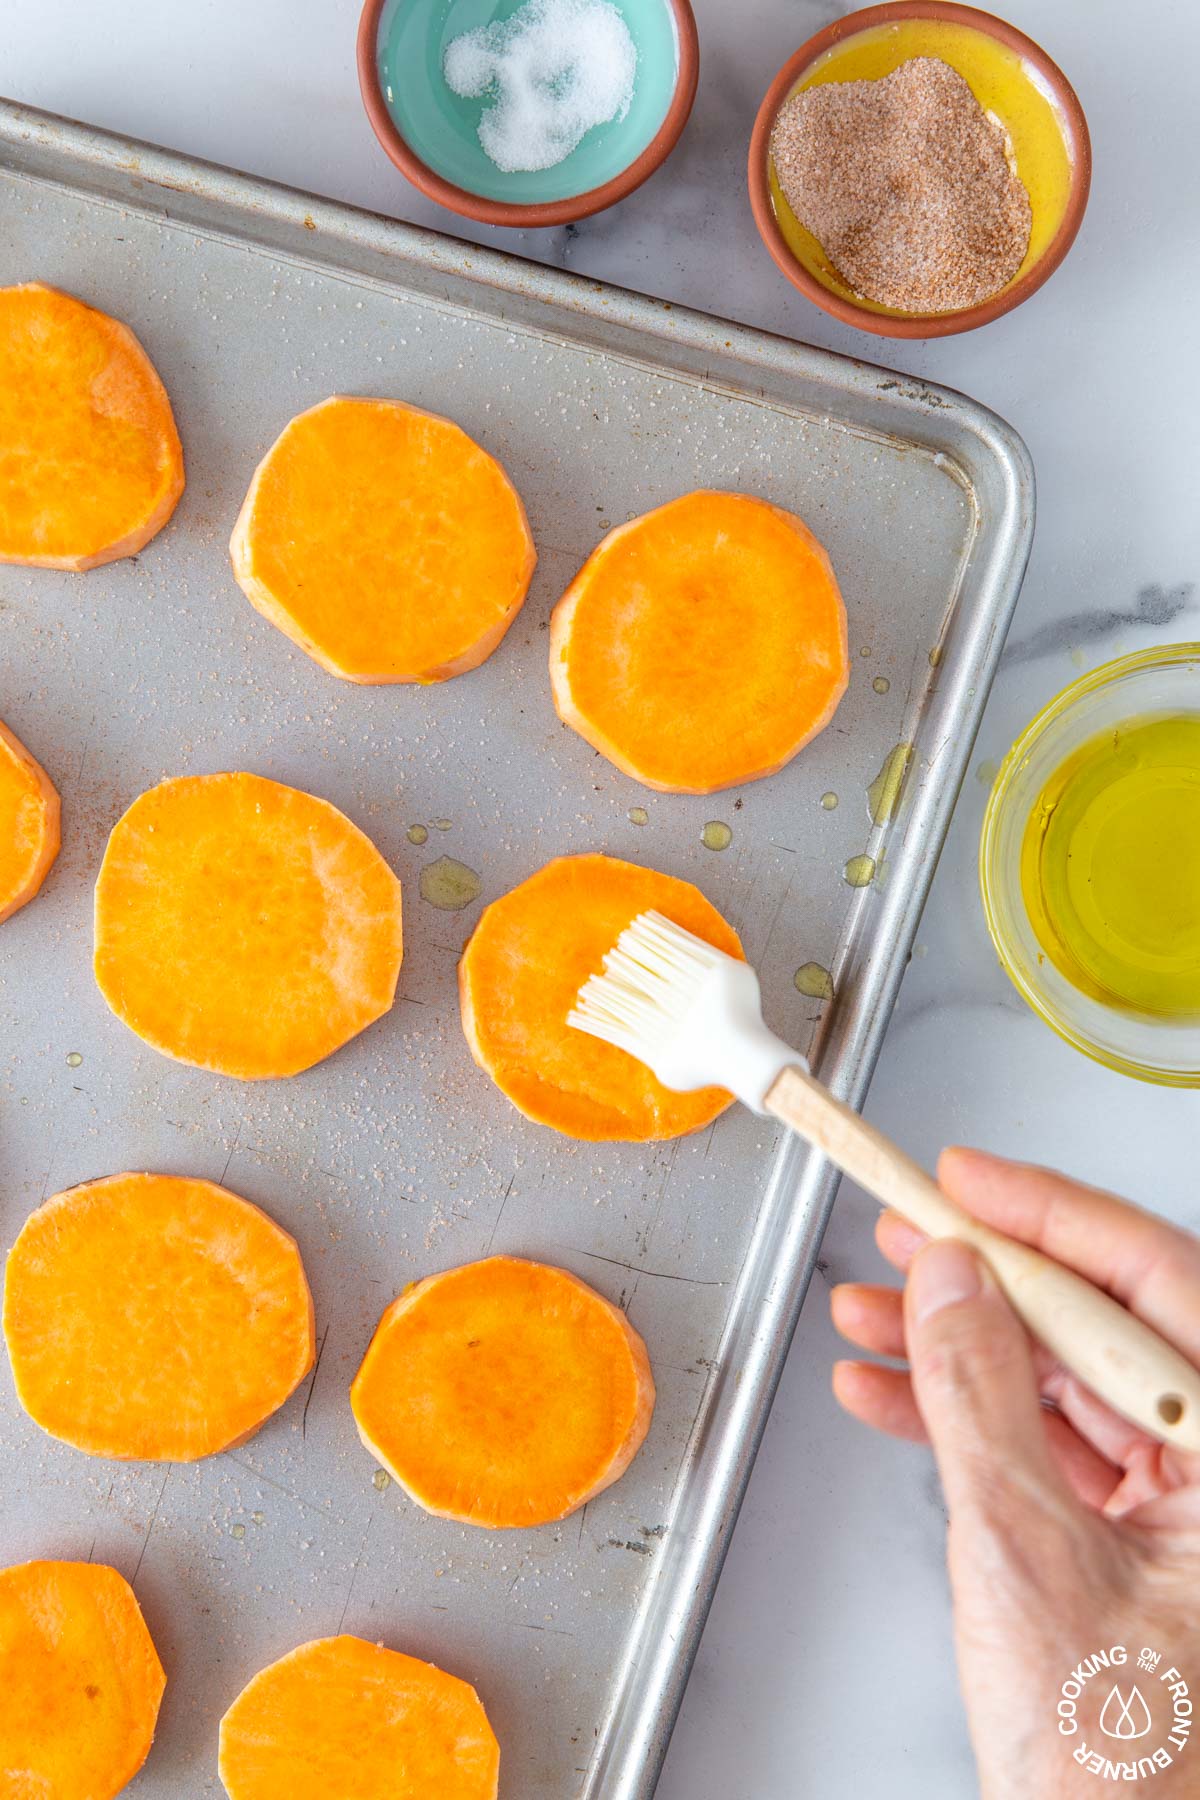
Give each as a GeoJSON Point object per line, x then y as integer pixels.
{"type": "Point", "coordinates": [1150, 1266]}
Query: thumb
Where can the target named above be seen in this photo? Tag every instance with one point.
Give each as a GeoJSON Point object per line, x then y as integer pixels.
{"type": "Point", "coordinates": [975, 1384]}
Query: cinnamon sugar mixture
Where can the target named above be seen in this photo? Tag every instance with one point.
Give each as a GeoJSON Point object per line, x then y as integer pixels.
{"type": "Point", "coordinates": [906, 185]}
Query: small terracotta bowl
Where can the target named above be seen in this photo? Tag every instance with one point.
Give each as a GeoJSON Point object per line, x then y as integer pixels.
{"type": "Point", "coordinates": [532, 213]}
{"type": "Point", "coordinates": [830, 294]}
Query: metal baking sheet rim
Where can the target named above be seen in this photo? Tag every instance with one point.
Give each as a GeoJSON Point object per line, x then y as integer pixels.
{"type": "Point", "coordinates": [991, 460]}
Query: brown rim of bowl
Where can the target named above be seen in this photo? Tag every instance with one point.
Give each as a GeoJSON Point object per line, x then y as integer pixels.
{"type": "Point", "coordinates": [921, 325]}
{"type": "Point", "coordinates": [540, 212]}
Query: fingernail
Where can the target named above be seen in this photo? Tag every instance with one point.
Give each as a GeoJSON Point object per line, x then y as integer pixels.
{"type": "Point", "coordinates": [943, 1274]}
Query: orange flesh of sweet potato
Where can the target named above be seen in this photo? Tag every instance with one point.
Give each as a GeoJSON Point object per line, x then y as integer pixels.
{"type": "Point", "coordinates": [155, 1316]}
{"type": "Point", "coordinates": [383, 541]}
{"type": "Point", "coordinates": [504, 1393]}
{"type": "Point", "coordinates": [243, 926]}
{"type": "Point", "coordinates": [29, 821]}
{"type": "Point", "coordinates": [90, 461]}
{"type": "Point", "coordinates": [80, 1682]}
{"type": "Point", "coordinates": [518, 979]}
{"type": "Point", "coordinates": [341, 1718]}
{"type": "Point", "coordinates": [701, 645]}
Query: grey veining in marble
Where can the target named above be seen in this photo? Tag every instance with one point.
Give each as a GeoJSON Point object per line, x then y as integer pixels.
{"type": "Point", "coordinates": [826, 1672]}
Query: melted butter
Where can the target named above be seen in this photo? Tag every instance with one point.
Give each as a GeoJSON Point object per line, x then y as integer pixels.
{"type": "Point", "coordinates": [716, 835]}
{"type": "Point", "coordinates": [1003, 85]}
{"type": "Point", "coordinates": [449, 885]}
{"type": "Point", "coordinates": [74, 1060]}
{"type": "Point", "coordinates": [829, 801]}
{"type": "Point", "coordinates": [860, 871]}
{"type": "Point", "coordinates": [418, 834]}
{"type": "Point", "coordinates": [1110, 867]}
{"type": "Point", "coordinates": [883, 795]}
{"type": "Point", "coordinates": [881, 684]}
{"type": "Point", "coordinates": [638, 815]}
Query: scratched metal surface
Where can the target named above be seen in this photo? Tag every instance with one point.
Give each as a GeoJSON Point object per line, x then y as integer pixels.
{"type": "Point", "coordinates": [397, 1156]}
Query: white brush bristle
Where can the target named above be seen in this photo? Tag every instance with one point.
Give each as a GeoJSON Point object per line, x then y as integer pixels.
{"type": "Point", "coordinates": [692, 1014]}
{"type": "Point", "coordinates": [651, 979]}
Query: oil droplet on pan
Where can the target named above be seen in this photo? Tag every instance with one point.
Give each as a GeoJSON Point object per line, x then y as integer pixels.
{"type": "Point", "coordinates": [829, 801]}
{"type": "Point", "coordinates": [74, 1060]}
{"type": "Point", "coordinates": [986, 772]}
{"type": "Point", "coordinates": [449, 885]}
{"type": "Point", "coordinates": [237, 1531]}
{"type": "Point", "coordinates": [381, 1479]}
{"type": "Point", "coordinates": [814, 980]}
{"type": "Point", "coordinates": [865, 651]}
{"type": "Point", "coordinates": [442, 824]}
{"type": "Point", "coordinates": [860, 871]}
{"type": "Point", "coordinates": [883, 795]}
{"type": "Point", "coordinates": [881, 684]}
{"type": "Point", "coordinates": [638, 815]}
{"type": "Point", "coordinates": [935, 656]}
{"type": "Point", "coordinates": [418, 834]}
{"type": "Point", "coordinates": [716, 835]}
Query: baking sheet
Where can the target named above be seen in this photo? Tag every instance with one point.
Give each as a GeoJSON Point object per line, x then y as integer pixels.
{"type": "Point", "coordinates": [397, 1156]}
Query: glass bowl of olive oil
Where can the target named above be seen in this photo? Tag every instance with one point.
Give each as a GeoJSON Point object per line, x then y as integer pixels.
{"type": "Point", "coordinates": [1090, 864]}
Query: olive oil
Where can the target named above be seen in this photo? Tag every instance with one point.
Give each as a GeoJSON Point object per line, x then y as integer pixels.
{"type": "Point", "coordinates": [1110, 867]}
{"type": "Point", "coordinates": [449, 885]}
{"type": "Point", "coordinates": [883, 795]}
{"type": "Point", "coordinates": [814, 980]}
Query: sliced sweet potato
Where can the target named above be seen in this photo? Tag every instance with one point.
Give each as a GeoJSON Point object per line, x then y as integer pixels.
{"type": "Point", "coordinates": [504, 1393]}
{"type": "Point", "coordinates": [521, 971]}
{"type": "Point", "coordinates": [384, 541]}
{"type": "Point", "coordinates": [243, 926]}
{"type": "Point", "coordinates": [29, 821]}
{"type": "Point", "coordinates": [90, 461]}
{"type": "Point", "coordinates": [340, 1717]}
{"type": "Point", "coordinates": [155, 1316]}
{"type": "Point", "coordinates": [80, 1682]}
{"type": "Point", "coordinates": [701, 645]}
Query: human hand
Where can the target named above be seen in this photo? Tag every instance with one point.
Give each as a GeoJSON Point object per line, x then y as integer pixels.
{"type": "Point", "coordinates": [1071, 1531]}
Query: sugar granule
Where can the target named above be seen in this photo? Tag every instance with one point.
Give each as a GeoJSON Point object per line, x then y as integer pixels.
{"type": "Point", "coordinates": [552, 71]}
{"type": "Point", "coordinates": [906, 184]}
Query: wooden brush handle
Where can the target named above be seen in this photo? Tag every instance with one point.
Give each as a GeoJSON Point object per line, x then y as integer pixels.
{"type": "Point", "coordinates": [1120, 1359]}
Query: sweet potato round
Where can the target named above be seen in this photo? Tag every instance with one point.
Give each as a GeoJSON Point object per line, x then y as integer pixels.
{"type": "Point", "coordinates": [701, 645]}
{"type": "Point", "coordinates": [90, 461]}
{"type": "Point", "coordinates": [244, 926]}
{"type": "Point", "coordinates": [155, 1316]}
{"type": "Point", "coordinates": [519, 977]}
{"type": "Point", "coordinates": [504, 1393]}
{"type": "Point", "coordinates": [29, 824]}
{"type": "Point", "coordinates": [384, 541]}
{"type": "Point", "coordinates": [340, 1716]}
{"type": "Point", "coordinates": [80, 1682]}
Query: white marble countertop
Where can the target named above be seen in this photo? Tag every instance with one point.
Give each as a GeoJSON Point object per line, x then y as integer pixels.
{"type": "Point", "coordinates": [827, 1667]}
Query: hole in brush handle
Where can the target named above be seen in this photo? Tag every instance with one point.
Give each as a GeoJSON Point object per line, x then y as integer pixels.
{"type": "Point", "coordinates": [1171, 1409]}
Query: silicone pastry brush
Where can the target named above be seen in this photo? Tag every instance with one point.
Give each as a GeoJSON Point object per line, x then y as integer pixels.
{"type": "Point", "coordinates": [694, 1016]}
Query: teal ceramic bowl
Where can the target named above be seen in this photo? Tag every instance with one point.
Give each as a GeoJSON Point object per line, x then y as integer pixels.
{"type": "Point", "coordinates": [432, 134]}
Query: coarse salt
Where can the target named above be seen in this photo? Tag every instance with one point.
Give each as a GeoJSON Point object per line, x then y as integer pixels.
{"type": "Point", "coordinates": [552, 71]}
